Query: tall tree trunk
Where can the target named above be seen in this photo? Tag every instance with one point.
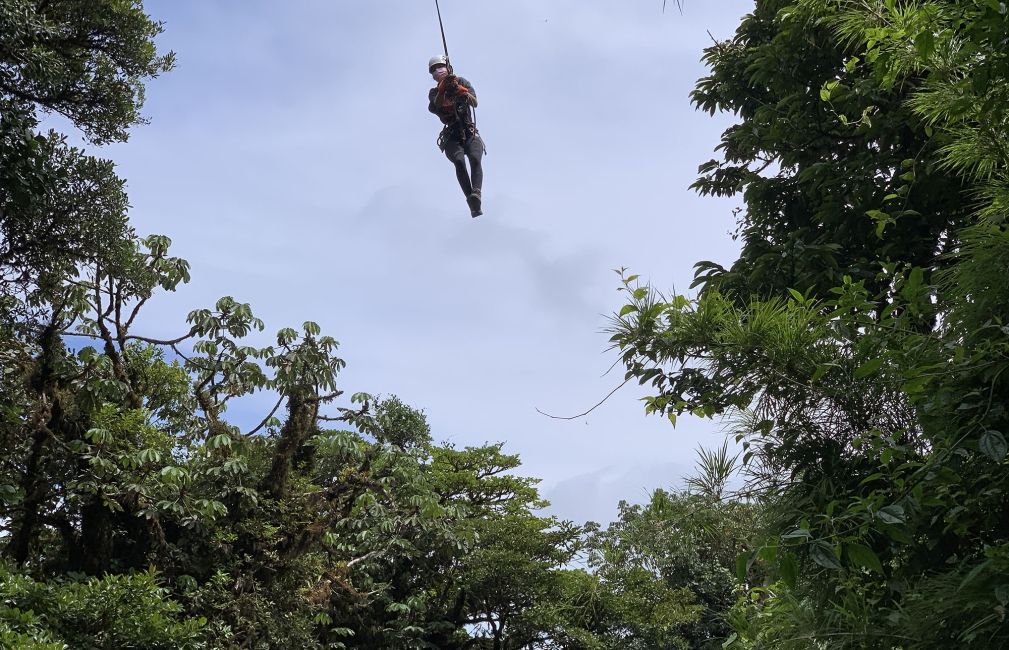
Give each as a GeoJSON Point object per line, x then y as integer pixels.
{"type": "Point", "coordinates": [35, 492]}
{"type": "Point", "coordinates": [300, 424]}
{"type": "Point", "coordinates": [33, 486]}
{"type": "Point", "coordinates": [96, 537]}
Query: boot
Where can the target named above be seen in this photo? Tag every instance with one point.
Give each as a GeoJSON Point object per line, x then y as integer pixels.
{"type": "Point", "coordinates": [473, 200]}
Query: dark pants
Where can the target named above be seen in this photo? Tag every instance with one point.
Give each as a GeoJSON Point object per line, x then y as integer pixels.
{"type": "Point", "coordinates": [458, 152]}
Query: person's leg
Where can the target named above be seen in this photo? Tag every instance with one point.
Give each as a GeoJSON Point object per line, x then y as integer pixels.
{"type": "Point", "coordinates": [456, 154]}
{"type": "Point", "coordinates": [474, 153]}
{"type": "Point", "coordinates": [463, 177]}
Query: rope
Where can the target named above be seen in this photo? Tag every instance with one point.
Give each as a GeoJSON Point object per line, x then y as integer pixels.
{"type": "Point", "coordinates": [441, 25]}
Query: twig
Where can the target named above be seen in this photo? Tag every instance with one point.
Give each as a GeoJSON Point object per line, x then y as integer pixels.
{"type": "Point", "coordinates": [324, 398]}
{"type": "Point", "coordinates": [171, 342]}
{"type": "Point", "coordinates": [273, 411]}
{"type": "Point", "coordinates": [679, 5]}
{"type": "Point", "coordinates": [600, 403]}
{"type": "Point", "coordinates": [366, 556]}
{"type": "Point", "coordinates": [718, 44]}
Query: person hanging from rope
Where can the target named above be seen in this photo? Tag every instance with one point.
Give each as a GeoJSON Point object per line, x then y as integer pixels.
{"type": "Point", "coordinates": [453, 100]}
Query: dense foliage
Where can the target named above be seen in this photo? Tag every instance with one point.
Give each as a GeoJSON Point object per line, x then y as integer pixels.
{"type": "Point", "coordinates": [859, 344]}
{"type": "Point", "coordinates": [667, 568]}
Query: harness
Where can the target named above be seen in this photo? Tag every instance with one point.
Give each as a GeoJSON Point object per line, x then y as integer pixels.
{"type": "Point", "coordinates": [462, 135]}
{"type": "Point", "coordinates": [462, 129]}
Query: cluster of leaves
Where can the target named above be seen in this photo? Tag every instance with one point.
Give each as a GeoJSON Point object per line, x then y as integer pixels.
{"type": "Point", "coordinates": [860, 343]}
{"type": "Point", "coordinates": [822, 142]}
{"type": "Point", "coordinates": [116, 611]}
{"type": "Point", "coordinates": [666, 569]}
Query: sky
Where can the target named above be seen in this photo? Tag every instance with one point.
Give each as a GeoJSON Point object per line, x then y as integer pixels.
{"type": "Point", "coordinates": [291, 159]}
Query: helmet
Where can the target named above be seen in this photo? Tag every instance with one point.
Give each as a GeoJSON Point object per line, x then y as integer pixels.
{"type": "Point", "coordinates": [441, 59]}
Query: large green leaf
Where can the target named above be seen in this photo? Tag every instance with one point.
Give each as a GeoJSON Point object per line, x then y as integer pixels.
{"type": "Point", "coordinates": [823, 554]}
{"type": "Point", "coordinates": [864, 556]}
{"type": "Point", "coordinates": [993, 445]}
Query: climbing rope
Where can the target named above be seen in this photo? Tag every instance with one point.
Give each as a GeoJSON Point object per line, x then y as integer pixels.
{"type": "Point", "coordinates": [441, 26]}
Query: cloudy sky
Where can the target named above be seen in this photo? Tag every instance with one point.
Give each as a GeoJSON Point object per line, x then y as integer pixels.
{"type": "Point", "coordinates": [291, 158]}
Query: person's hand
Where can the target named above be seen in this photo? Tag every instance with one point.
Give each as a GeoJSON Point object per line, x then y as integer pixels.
{"type": "Point", "coordinates": [446, 85]}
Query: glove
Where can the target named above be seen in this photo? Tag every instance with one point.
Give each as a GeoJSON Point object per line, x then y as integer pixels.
{"type": "Point", "coordinates": [450, 87]}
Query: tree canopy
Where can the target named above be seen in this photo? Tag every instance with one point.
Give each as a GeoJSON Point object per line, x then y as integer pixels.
{"type": "Point", "coordinates": [858, 344]}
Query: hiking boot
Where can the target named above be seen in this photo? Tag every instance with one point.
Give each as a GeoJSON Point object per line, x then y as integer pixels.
{"type": "Point", "coordinates": [473, 201]}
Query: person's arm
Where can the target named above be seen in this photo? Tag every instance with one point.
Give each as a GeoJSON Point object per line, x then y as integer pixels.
{"type": "Point", "coordinates": [470, 92]}
{"type": "Point", "coordinates": [432, 105]}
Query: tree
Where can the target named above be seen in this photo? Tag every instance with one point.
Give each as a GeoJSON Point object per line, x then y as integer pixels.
{"type": "Point", "coordinates": [668, 567]}
{"type": "Point", "coordinates": [86, 61]}
{"type": "Point", "coordinates": [870, 401]}
{"type": "Point", "coordinates": [823, 158]}
{"type": "Point", "coordinates": [481, 582]}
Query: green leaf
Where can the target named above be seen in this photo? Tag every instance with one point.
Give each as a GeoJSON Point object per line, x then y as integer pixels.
{"type": "Point", "coordinates": [789, 568]}
{"type": "Point", "coordinates": [871, 478]}
{"type": "Point", "coordinates": [627, 309]}
{"type": "Point", "coordinates": [822, 370]}
{"type": "Point", "coordinates": [823, 554]}
{"type": "Point", "coordinates": [864, 556]}
{"type": "Point", "coordinates": [742, 562]}
{"type": "Point", "coordinates": [798, 296]}
{"type": "Point", "coordinates": [924, 43]}
{"type": "Point", "coordinates": [993, 445]}
{"type": "Point", "coordinates": [768, 553]}
{"type": "Point", "coordinates": [868, 368]}
{"type": "Point", "coordinates": [892, 514]}
{"type": "Point", "coordinates": [218, 441]}
{"type": "Point", "coordinates": [973, 574]}
{"type": "Point", "coordinates": [798, 533]}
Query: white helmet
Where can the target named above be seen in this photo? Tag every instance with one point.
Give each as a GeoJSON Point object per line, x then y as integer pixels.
{"type": "Point", "coordinates": [441, 59]}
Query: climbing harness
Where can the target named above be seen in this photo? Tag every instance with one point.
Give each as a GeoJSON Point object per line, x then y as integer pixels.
{"type": "Point", "coordinates": [461, 129]}
{"type": "Point", "coordinates": [464, 135]}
